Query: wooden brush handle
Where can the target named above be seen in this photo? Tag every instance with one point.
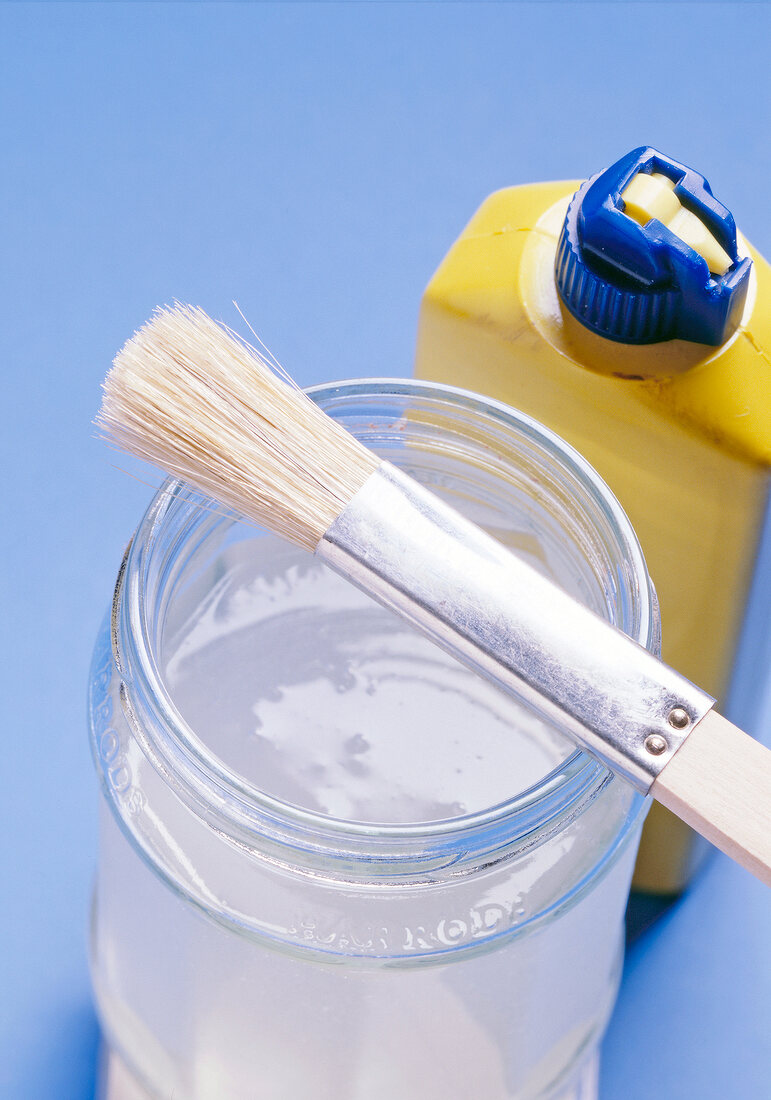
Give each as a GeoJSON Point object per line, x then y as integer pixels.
{"type": "Point", "coordinates": [719, 782]}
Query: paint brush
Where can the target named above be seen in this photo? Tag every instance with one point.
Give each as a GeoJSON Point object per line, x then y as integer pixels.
{"type": "Point", "coordinates": [189, 396]}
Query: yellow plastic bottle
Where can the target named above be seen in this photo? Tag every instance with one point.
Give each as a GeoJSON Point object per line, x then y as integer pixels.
{"type": "Point", "coordinates": [632, 319]}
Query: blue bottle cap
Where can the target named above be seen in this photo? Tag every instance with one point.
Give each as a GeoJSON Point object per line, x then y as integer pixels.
{"type": "Point", "coordinates": [642, 283]}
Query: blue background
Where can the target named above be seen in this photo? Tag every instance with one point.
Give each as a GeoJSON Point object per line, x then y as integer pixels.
{"type": "Point", "coordinates": [313, 161]}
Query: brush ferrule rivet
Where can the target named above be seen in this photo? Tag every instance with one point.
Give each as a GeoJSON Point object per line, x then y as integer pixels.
{"type": "Point", "coordinates": [655, 744]}
{"type": "Point", "coordinates": [679, 718]}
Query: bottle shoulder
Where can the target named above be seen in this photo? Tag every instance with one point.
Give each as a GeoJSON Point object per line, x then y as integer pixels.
{"type": "Point", "coordinates": [499, 276]}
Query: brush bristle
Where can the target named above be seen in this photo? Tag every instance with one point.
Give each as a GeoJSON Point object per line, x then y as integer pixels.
{"type": "Point", "coordinates": [190, 398]}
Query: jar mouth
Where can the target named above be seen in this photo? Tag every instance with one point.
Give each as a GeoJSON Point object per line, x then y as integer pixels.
{"type": "Point", "coordinates": [252, 818]}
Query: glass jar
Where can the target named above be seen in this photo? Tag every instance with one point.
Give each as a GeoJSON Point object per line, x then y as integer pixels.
{"type": "Point", "coordinates": [250, 946]}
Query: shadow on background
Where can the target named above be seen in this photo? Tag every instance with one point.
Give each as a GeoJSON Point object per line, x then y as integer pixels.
{"type": "Point", "coordinates": [67, 1061]}
{"type": "Point", "coordinates": [643, 910]}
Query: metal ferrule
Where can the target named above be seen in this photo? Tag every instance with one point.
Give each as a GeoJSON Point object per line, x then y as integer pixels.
{"type": "Point", "coordinates": [498, 616]}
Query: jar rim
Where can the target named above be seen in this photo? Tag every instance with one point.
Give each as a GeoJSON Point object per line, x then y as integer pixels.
{"type": "Point", "coordinates": [246, 814]}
